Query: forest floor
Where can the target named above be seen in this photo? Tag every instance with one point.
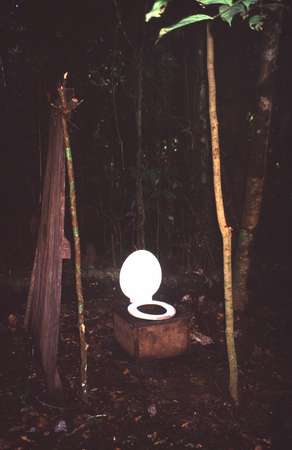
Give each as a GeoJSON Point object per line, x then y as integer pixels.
{"type": "Point", "coordinates": [174, 403]}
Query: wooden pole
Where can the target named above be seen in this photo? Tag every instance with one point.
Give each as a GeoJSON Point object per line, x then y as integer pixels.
{"type": "Point", "coordinates": [225, 230]}
{"type": "Point", "coordinates": [70, 172]}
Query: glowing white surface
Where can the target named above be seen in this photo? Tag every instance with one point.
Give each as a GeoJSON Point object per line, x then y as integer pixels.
{"type": "Point", "coordinates": [169, 311]}
{"type": "Point", "coordinates": [140, 278]}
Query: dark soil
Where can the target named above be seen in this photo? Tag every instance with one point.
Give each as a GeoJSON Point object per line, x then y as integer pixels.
{"type": "Point", "coordinates": [176, 403]}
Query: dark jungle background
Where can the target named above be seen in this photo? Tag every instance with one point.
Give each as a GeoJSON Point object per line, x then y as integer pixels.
{"type": "Point", "coordinates": [121, 74]}
{"type": "Point", "coordinates": [99, 44]}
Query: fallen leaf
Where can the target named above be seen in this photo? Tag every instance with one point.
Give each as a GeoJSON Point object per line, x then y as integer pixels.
{"type": "Point", "coordinates": [61, 426]}
{"type": "Point", "coordinates": [201, 338]}
{"type": "Point", "coordinates": [152, 436]}
{"type": "Point", "coordinates": [42, 423]}
{"type": "Point", "coordinates": [25, 439]}
{"type": "Point", "coordinates": [161, 441]}
{"type": "Point", "coordinates": [152, 410]}
{"type": "Point", "coordinates": [187, 298]}
{"type": "Point", "coordinates": [12, 321]}
{"type": "Point", "coordinates": [137, 418]}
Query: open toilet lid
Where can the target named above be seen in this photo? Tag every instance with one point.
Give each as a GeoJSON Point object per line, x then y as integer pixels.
{"type": "Point", "coordinates": [140, 276]}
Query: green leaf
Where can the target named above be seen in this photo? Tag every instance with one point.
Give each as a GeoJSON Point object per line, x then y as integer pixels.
{"type": "Point", "coordinates": [157, 10]}
{"type": "Point", "coordinates": [184, 22]}
{"type": "Point", "coordinates": [256, 23]}
{"type": "Point", "coordinates": [216, 2]}
{"type": "Point", "coordinates": [246, 3]}
{"type": "Point", "coordinates": [228, 12]}
{"type": "Point", "coordinates": [249, 3]}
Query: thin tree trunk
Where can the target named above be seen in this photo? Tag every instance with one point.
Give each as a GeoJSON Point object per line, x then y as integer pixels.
{"type": "Point", "coordinates": [258, 151]}
{"type": "Point", "coordinates": [75, 228]}
{"type": "Point", "coordinates": [158, 226]}
{"type": "Point", "coordinates": [140, 230]}
{"type": "Point", "coordinates": [225, 230]}
{"type": "Point", "coordinates": [117, 126]}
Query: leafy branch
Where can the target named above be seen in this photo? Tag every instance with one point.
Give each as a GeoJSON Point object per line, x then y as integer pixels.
{"type": "Point", "coordinates": [228, 9]}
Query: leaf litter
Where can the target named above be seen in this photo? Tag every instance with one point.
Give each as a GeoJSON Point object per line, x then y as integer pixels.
{"type": "Point", "coordinates": [174, 403]}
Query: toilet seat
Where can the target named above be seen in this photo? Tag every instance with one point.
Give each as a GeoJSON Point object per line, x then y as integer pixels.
{"type": "Point", "coordinates": [134, 311]}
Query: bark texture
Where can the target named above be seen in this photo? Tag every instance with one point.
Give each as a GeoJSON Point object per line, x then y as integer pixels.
{"type": "Point", "coordinates": [44, 298]}
{"type": "Point", "coordinates": [225, 230]}
{"type": "Point", "coordinates": [73, 210]}
{"type": "Point", "coordinates": [260, 127]}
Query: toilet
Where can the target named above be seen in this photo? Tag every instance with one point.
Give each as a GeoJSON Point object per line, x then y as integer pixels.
{"type": "Point", "coordinates": [140, 278]}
